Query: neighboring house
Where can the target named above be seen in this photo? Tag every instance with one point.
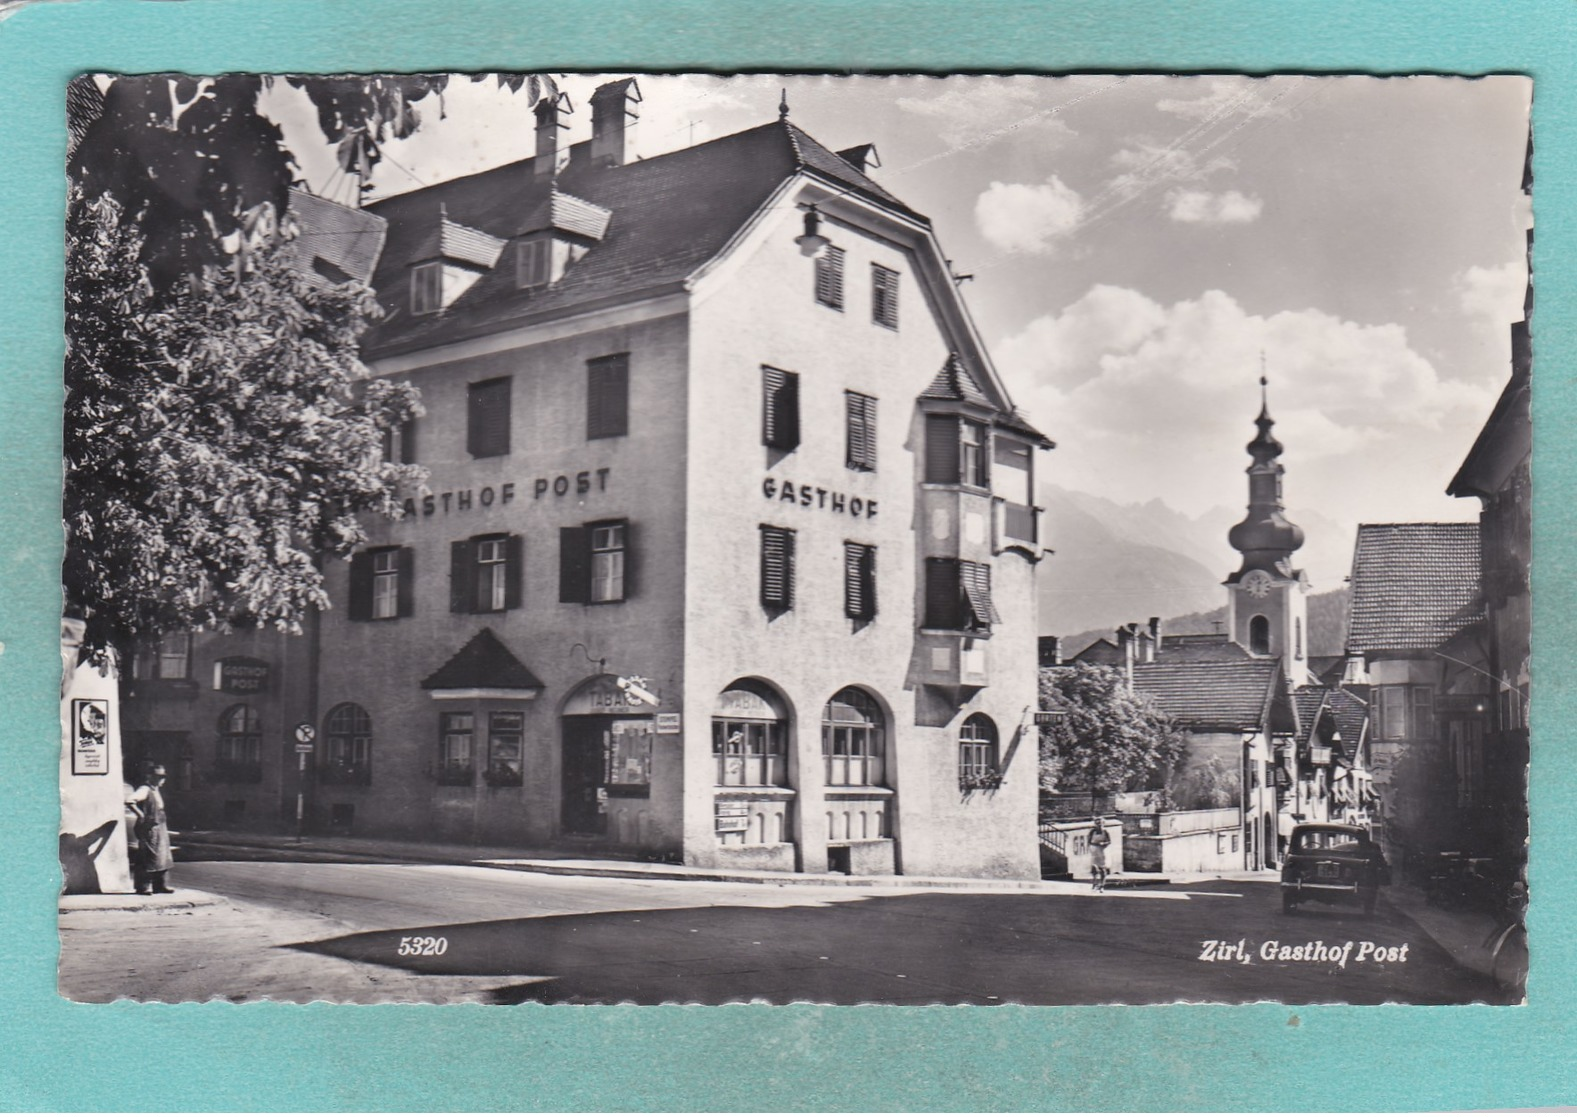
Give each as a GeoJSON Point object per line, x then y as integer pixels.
{"type": "Point", "coordinates": [728, 549]}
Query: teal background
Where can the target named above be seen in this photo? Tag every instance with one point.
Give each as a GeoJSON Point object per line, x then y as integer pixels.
{"type": "Point", "coordinates": [59, 1056]}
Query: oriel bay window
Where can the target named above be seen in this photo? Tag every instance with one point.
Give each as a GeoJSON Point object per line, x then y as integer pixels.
{"type": "Point", "coordinates": [861, 445]}
{"type": "Point", "coordinates": [853, 740]}
{"type": "Point", "coordinates": [347, 746]}
{"type": "Point", "coordinates": [381, 583]}
{"type": "Point", "coordinates": [240, 755]}
{"type": "Point", "coordinates": [779, 408]}
{"type": "Point", "coordinates": [1405, 713]}
{"type": "Point", "coordinates": [456, 743]}
{"type": "Point", "coordinates": [958, 596]}
{"type": "Point", "coordinates": [596, 562]}
{"type": "Point", "coordinates": [485, 574]}
{"type": "Point", "coordinates": [487, 418]}
{"type": "Point", "coordinates": [608, 396]}
{"type": "Point", "coordinates": [505, 745]}
{"type": "Point", "coordinates": [777, 568]}
{"type": "Point", "coordinates": [956, 451]}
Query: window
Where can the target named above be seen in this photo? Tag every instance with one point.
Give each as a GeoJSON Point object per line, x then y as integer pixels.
{"type": "Point", "coordinates": [1405, 713]}
{"type": "Point", "coordinates": [958, 596]}
{"type": "Point", "coordinates": [749, 742]}
{"type": "Point", "coordinates": [427, 288]}
{"type": "Point", "coordinates": [829, 277]}
{"type": "Point", "coordinates": [456, 738]}
{"type": "Point", "coordinates": [608, 396]}
{"type": "Point", "coordinates": [977, 754]}
{"type": "Point", "coordinates": [1259, 635]}
{"type": "Point", "coordinates": [777, 567]}
{"type": "Point", "coordinates": [485, 574]}
{"type": "Point", "coordinates": [779, 408]}
{"type": "Point", "coordinates": [380, 583]}
{"type": "Point", "coordinates": [884, 296]}
{"type": "Point", "coordinates": [859, 581]}
{"type": "Point", "coordinates": [1466, 736]}
{"type": "Point", "coordinates": [956, 451]}
{"type": "Point", "coordinates": [853, 740]}
{"type": "Point", "coordinates": [1297, 637]}
{"type": "Point", "coordinates": [240, 758]}
{"type": "Point", "coordinates": [533, 262]}
{"type": "Point", "coordinates": [596, 562]}
{"type": "Point", "coordinates": [347, 746]}
{"type": "Point", "coordinates": [169, 658]}
{"type": "Point", "coordinates": [487, 418]}
{"type": "Point", "coordinates": [862, 431]}
{"type": "Point", "coordinates": [505, 744]}
{"type": "Point", "coordinates": [399, 443]}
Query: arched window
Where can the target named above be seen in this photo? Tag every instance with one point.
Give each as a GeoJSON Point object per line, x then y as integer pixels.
{"type": "Point", "coordinates": [853, 740]}
{"type": "Point", "coordinates": [1259, 635]}
{"type": "Point", "coordinates": [347, 745]}
{"type": "Point", "coordinates": [750, 737]}
{"type": "Point", "coordinates": [977, 754]}
{"type": "Point", "coordinates": [240, 758]}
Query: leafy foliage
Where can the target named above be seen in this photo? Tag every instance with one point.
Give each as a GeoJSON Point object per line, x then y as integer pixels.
{"type": "Point", "coordinates": [219, 437]}
{"type": "Point", "coordinates": [1210, 785]}
{"type": "Point", "coordinates": [1107, 738]}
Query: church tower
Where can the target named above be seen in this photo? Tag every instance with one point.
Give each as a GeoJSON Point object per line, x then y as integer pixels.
{"type": "Point", "coordinates": [1266, 608]}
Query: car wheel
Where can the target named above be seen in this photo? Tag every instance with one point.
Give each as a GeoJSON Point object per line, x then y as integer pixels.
{"type": "Point", "coordinates": [1289, 903]}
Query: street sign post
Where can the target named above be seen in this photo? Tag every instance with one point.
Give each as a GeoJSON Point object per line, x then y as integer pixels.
{"type": "Point", "coordinates": [305, 734]}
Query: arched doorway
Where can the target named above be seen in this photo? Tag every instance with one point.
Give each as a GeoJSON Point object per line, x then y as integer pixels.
{"type": "Point", "coordinates": [607, 759]}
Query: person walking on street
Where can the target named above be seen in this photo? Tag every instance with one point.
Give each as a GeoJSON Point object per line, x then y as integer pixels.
{"type": "Point", "coordinates": [1099, 839]}
{"type": "Point", "coordinates": [154, 858]}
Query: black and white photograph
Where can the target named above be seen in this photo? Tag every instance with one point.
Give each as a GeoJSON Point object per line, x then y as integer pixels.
{"type": "Point", "coordinates": [708, 538]}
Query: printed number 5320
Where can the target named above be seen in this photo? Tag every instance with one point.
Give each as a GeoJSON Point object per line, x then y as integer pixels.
{"type": "Point", "coordinates": [424, 945]}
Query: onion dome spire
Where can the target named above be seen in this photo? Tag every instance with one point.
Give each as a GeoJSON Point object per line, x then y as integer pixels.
{"type": "Point", "coordinates": [1265, 537]}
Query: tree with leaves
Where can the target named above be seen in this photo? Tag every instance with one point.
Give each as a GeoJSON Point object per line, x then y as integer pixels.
{"type": "Point", "coordinates": [1105, 738]}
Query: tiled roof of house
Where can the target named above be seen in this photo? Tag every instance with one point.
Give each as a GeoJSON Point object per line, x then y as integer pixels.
{"type": "Point", "coordinates": [349, 241]}
{"type": "Point", "coordinates": [449, 240]}
{"type": "Point", "coordinates": [1414, 586]}
{"type": "Point", "coordinates": [483, 664]}
{"type": "Point", "coordinates": [1220, 696]}
{"type": "Point", "coordinates": [1352, 715]}
{"type": "Point", "coordinates": [670, 214]}
{"type": "Point", "coordinates": [567, 213]}
{"type": "Point", "coordinates": [1202, 648]}
{"type": "Point", "coordinates": [1309, 701]}
{"type": "Point", "coordinates": [954, 384]}
{"type": "Point", "coordinates": [1102, 652]}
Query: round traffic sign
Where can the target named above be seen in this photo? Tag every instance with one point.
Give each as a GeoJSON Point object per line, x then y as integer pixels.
{"type": "Point", "coordinates": [305, 733]}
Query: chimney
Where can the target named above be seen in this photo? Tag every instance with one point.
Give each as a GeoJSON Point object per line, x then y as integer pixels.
{"type": "Point", "coordinates": [1050, 651]}
{"type": "Point", "coordinates": [1126, 636]}
{"type": "Point", "coordinates": [1155, 639]}
{"type": "Point", "coordinates": [613, 115]}
{"type": "Point", "coordinates": [548, 111]}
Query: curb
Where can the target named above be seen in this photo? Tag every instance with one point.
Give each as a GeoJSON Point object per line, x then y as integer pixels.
{"type": "Point", "coordinates": [183, 899]}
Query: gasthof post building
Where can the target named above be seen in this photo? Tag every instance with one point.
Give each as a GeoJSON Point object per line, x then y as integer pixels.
{"type": "Point", "coordinates": [728, 547]}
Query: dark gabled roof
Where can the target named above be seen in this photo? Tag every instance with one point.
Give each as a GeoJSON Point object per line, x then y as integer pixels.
{"type": "Point", "coordinates": [670, 215]}
{"type": "Point", "coordinates": [955, 384]}
{"type": "Point", "coordinates": [1102, 652]}
{"type": "Point", "coordinates": [1208, 647]}
{"type": "Point", "coordinates": [1328, 669]}
{"type": "Point", "coordinates": [1215, 696]}
{"type": "Point", "coordinates": [1505, 439]}
{"type": "Point", "coordinates": [1414, 586]}
{"type": "Point", "coordinates": [1309, 701]}
{"type": "Point", "coordinates": [335, 240]}
{"type": "Point", "coordinates": [483, 664]}
{"type": "Point", "coordinates": [1352, 716]}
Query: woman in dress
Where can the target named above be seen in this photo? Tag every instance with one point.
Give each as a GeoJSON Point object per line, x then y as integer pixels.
{"type": "Point", "coordinates": [154, 858]}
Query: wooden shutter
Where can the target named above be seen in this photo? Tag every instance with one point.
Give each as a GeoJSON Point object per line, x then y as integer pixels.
{"type": "Point", "coordinates": [408, 442]}
{"type": "Point", "coordinates": [406, 586]}
{"type": "Point", "coordinates": [943, 594]}
{"type": "Point", "coordinates": [941, 449]}
{"type": "Point", "coordinates": [608, 396]}
{"type": "Point", "coordinates": [779, 408]}
{"type": "Point", "coordinates": [487, 426]}
{"type": "Point", "coordinates": [777, 567]}
{"type": "Point", "coordinates": [829, 277]}
{"type": "Point", "coordinates": [884, 296]}
{"type": "Point", "coordinates": [574, 565]}
{"type": "Point", "coordinates": [631, 560]}
{"type": "Point", "coordinates": [976, 579]}
{"type": "Point", "coordinates": [514, 570]}
{"type": "Point", "coordinates": [859, 581]}
{"type": "Point", "coordinates": [462, 576]}
{"type": "Point", "coordinates": [361, 586]}
{"type": "Point", "coordinates": [861, 411]}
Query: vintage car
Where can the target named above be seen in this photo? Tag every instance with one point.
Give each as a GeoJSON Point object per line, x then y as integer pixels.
{"type": "Point", "coordinates": [1332, 863]}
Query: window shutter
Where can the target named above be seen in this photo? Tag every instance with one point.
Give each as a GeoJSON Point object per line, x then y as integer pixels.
{"type": "Point", "coordinates": [976, 578]}
{"type": "Point", "coordinates": [859, 581]}
{"type": "Point", "coordinates": [941, 449]}
{"type": "Point", "coordinates": [632, 561]}
{"type": "Point", "coordinates": [406, 592]}
{"type": "Point", "coordinates": [777, 567]}
{"type": "Point", "coordinates": [861, 411]}
{"type": "Point", "coordinates": [408, 442]}
{"type": "Point", "coordinates": [487, 426]}
{"type": "Point", "coordinates": [884, 296]}
{"type": "Point", "coordinates": [608, 396]}
{"type": "Point", "coordinates": [462, 576]}
{"type": "Point", "coordinates": [574, 565]}
{"type": "Point", "coordinates": [829, 277]}
{"type": "Point", "coordinates": [779, 408]}
{"type": "Point", "coordinates": [943, 594]}
{"type": "Point", "coordinates": [514, 570]}
{"type": "Point", "coordinates": [361, 586]}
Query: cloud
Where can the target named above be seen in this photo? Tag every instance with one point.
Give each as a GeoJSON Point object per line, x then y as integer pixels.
{"type": "Point", "coordinates": [1495, 294]}
{"type": "Point", "coordinates": [966, 111]}
{"type": "Point", "coordinates": [1153, 401]}
{"type": "Point", "coordinates": [1201, 207]}
{"type": "Point", "coordinates": [1223, 93]}
{"type": "Point", "coordinates": [1018, 217]}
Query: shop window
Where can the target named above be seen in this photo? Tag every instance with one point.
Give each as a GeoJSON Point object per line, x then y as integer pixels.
{"type": "Point", "coordinates": [958, 596]}
{"type": "Point", "coordinates": [169, 658]}
{"type": "Point", "coordinates": [1404, 713]}
{"type": "Point", "coordinates": [505, 748]}
{"type": "Point", "coordinates": [381, 582]}
{"type": "Point", "coordinates": [779, 408]}
{"type": "Point", "coordinates": [487, 418]}
{"type": "Point", "coordinates": [956, 451]}
{"type": "Point", "coordinates": [399, 443]}
{"type": "Point", "coordinates": [861, 410]}
{"type": "Point", "coordinates": [749, 738]}
{"type": "Point", "coordinates": [596, 562]}
{"type": "Point", "coordinates": [829, 277]}
{"type": "Point", "coordinates": [240, 756]}
{"type": "Point", "coordinates": [884, 296]}
{"type": "Point", "coordinates": [853, 740]}
{"type": "Point", "coordinates": [1259, 635]}
{"type": "Point", "coordinates": [427, 288]}
{"type": "Point", "coordinates": [533, 262]}
{"type": "Point", "coordinates": [347, 746]}
{"type": "Point", "coordinates": [456, 745]}
{"type": "Point", "coordinates": [608, 396]}
{"type": "Point", "coordinates": [859, 581]}
{"type": "Point", "coordinates": [777, 568]}
{"type": "Point", "coordinates": [485, 574]}
{"type": "Point", "coordinates": [977, 754]}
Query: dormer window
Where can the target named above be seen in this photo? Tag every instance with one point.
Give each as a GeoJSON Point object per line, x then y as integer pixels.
{"type": "Point", "coordinates": [427, 288]}
{"type": "Point", "coordinates": [533, 262]}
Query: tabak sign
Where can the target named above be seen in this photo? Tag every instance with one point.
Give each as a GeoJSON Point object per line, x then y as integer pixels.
{"type": "Point", "coordinates": [240, 674]}
{"type": "Point", "coordinates": [90, 737]}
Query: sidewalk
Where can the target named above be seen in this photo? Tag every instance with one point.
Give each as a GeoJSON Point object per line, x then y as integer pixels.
{"type": "Point", "coordinates": [182, 899]}
{"type": "Point", "coordinates": [1465, 935]}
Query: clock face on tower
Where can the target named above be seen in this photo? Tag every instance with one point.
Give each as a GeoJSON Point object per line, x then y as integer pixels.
{"type": "Point", "coordinates": [1256, 583]}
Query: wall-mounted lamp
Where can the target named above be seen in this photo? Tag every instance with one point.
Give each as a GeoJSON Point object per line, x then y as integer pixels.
{"type": "Point", "coordinates": [811, 242]}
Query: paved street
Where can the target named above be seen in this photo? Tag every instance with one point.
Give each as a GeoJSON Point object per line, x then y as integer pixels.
{"type": "Point", "coordinates": [297, 931]}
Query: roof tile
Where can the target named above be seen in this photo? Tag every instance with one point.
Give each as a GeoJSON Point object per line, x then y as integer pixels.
{"type": "Point", "coordinates": [1414, 586]}
{"type": "Point", "coordinates": [1223, 696]}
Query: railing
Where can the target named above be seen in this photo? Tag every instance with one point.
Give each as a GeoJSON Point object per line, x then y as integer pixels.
{"type": "Point", "coordinates": [1021, 522]}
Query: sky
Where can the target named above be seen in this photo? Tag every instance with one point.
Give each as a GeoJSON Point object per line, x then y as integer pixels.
{"type": "Point", "coordinates": [1138, 242]}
